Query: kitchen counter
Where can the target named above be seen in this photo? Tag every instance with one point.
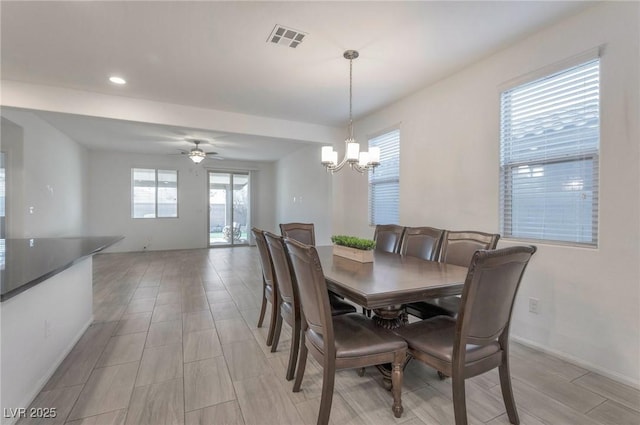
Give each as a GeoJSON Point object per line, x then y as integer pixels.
{"type": "Point", "coordinates": [25, 263]}
{"type": "Point", "coordinates": [47, 305]}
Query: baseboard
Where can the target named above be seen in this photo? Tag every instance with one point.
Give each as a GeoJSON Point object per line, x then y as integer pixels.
{"type": "Point", "coordinates": [579, 362]}
{"type": "Point", "coordinates": [32, 396]}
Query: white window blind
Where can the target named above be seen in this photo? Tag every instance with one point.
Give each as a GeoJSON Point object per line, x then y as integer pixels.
{"type": "Point", "coordinates": [549, 148]}
{"type": "Point", "coordinates": [384, 181]}
{"type": "Point", "coordinates": [154, 193]}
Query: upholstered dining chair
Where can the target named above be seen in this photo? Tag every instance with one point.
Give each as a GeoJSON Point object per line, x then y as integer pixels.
{"type": "Point", "coordinates": [305, 233]}
{"type": "Point", "coordinates": [422, 242]}
{"type": "Point", "coordinates": [458, 249]}
{"type": "Point", "coordinates": [388, 237]}
{"type": "Point", "coordinates": [289, 300]}
{"type": "Point", "coordinates": [339, 342]}
{"type": "Point", "coordinates": [269, 284]}
{"type": "Point", "coordinates": [302, 232]}
{"type": "Point", "coordinates": [478, 340]}
{"type": "Point", "coordinates": [290, 310]}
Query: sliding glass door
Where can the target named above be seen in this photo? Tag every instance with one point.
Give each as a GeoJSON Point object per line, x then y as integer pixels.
{"type": "Point", "coordinates": [229, 220]}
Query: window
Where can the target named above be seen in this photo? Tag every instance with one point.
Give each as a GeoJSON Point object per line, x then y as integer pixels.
{"type": "Point", "coordinates": [384, 181]}
{"type": "Point", "coordinates": [154, 193]}
{"type": "Point", "coordinates": [549, 147]}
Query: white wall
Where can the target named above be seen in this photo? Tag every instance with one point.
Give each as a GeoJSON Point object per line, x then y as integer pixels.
{"type": "Point", "coordinates": [12, 145]}
{"type": "Point", "coordinates": [589, 298]}
{"type": "Point", "coordinates": [304, 192]}
{"type": "Point", "coordinates": [110, 200]}
{"type": "Point", "coordinates": [54, 179]}
{"type": "Point", "coordinates": [40, 326]}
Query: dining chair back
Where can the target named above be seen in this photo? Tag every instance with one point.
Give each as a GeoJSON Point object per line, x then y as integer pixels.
{"type": "Point", "coordinates": [338, 342]}
{"type": "Point", "coordinates": [422, 242]}
{"type": "Point", "coordinates": [289, 302]}
{"type": "Point", "coordinates": [302, 232]}
{"type": "Point", "coordinates": [478, 340]}
{"type": "Point", "coordinates": [269, 283]}
{"type": "Point", "coordinates": [388, 237]}
{"type": "Point", "coordinates": [457, 248]}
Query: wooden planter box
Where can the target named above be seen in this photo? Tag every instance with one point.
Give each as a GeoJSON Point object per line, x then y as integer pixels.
{"type": "Point", "coordinates": [353, 254]}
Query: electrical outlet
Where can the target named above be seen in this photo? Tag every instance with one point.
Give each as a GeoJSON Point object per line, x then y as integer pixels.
{"type": "Point", "coordinates": [534, 306]}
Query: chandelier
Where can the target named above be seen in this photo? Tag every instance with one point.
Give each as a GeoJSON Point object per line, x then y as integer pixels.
{"type": "Point", "coordinates": [359, 161]}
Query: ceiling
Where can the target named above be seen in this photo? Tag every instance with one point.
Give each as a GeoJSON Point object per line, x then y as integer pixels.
{"type": "Point", "coordinates": [136, 137]}
{"type": "Point", "coordinates": [215, 55]}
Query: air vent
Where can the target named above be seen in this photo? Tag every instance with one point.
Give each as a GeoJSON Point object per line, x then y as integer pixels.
{"type": "Point", "coordinates": [284, 36]}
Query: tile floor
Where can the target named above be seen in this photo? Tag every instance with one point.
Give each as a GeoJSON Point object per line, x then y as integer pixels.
{"type": "Point", "coordinates": [175, 342]}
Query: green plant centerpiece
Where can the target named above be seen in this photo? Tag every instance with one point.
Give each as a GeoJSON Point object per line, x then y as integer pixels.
{"type": "Point", "coordinates": [353, 242]}
{"type": "Point", "coordinates": [353, 248]}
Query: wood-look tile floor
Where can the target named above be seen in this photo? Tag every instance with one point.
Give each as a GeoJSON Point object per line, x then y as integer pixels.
{"type": "Point", "coordinates": [175, 341]}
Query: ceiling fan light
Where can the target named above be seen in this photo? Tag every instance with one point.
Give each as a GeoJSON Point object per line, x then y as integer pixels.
{"type": "Point", "coordinates": [197, 156]}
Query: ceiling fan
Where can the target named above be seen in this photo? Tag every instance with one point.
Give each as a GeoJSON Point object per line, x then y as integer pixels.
{"type": "Point", "coordinates": [197, 155]}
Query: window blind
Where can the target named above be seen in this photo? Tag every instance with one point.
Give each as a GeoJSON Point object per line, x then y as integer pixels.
{"type": "Point", "coordinates": [549, 155]}
{"type": "Point", "coordinates": [384, 181]}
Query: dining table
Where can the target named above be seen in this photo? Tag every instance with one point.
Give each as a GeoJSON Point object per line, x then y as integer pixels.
{"type": "Point", "coordinates": [387, 283]}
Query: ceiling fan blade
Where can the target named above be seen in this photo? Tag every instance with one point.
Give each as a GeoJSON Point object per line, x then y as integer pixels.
{"type": "Point", "coordinates": [215, 158]}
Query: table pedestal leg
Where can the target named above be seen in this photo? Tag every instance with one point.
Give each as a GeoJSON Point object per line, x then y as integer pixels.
{"type": "Point", "coordinates": [389, 317]}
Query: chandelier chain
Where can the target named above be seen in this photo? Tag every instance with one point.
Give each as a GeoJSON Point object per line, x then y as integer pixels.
{"type": "Point", "coordinates": [351, 98]}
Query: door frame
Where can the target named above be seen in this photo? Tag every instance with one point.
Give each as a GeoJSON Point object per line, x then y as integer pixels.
{"type": "Point", "coordinates": [231, 173]}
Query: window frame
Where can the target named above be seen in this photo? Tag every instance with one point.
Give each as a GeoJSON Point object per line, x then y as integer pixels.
{"type": "Point", "coordinates": [393, 179]}
{"type": "Point", "coordinates": [156, 186]}
{"type": "Point", "coordinates": [506, 169]}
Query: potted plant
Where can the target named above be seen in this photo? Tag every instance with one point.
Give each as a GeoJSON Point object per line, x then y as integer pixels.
{"type": "Point", "coordinates": [353, 248]}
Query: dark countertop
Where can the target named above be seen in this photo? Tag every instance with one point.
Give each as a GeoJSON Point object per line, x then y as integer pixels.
{"type": "Point", "coordinates": [26, 262]}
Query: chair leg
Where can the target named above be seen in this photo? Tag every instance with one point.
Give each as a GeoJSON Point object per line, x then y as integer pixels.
{"type": "Point", "coordinates": [459, 400]}
{"type": "Point", "coordinates": [302, 363]}
{"type": "Point", "coordinates": [328, 380]}
{"type": "Point", "coordinates": [293, 353]}
{"type": "Point", "coordinates": [263, 309]}
{"type": "Point", "coordinates": [396, 383]}
{"type": "Point", "coordinates": [276, 333]}
{"type": "Point", "coordinates": [507, 392]}
{"type": "Point", "coordinates": [274, 318]}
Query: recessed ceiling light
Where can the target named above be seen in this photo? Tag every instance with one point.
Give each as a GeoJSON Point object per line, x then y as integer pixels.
{"type": "Point", "coordinates": [117, 80]}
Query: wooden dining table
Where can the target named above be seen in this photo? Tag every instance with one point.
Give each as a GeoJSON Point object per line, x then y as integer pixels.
{"type": "Point", "coordinates": [390, 281]}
